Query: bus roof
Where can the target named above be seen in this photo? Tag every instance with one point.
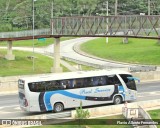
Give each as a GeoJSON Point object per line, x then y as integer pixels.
{"type": "Point", "coordinates": [72, 75]}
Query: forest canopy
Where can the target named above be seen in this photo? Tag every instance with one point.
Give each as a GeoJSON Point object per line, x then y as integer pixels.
{"type": "Point", "coordinates": [18, 14]}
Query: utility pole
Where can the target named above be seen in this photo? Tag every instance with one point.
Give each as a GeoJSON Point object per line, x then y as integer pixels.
{"type": "Point", "coordinates": [52, 10]}
{"type": "Point", "coordinates": [149, 7]}
{"type": "Point", "coordinates": [52, 18]}
{"type": "Point", "coordinates": [107, 19]}
{"type": "Point", "coordinates": [33, 66]}
{"type": "Point", "coordinates": [116, 4]}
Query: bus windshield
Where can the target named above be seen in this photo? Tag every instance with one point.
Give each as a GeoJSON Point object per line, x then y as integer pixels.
{"type": "Point", "coordinates": [130, 83]}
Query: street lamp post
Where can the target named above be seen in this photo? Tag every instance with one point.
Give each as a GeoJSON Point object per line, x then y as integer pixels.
{"type": "Point", "coordinates": [116, 4]}
{"type": "Point", "coordinates": [107, 20]}
{"type": "Point", "coordinates": [106, 7]}
{"type": "Point", "coordinates": [33, 67]}
{"type": "Point", "coordinates": [149, 7]}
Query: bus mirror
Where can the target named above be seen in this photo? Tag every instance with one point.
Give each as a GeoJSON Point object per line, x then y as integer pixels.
{"type": "Point", "coordinates": [134, 78]}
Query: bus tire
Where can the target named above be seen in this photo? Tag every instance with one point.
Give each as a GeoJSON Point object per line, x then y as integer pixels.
{"type": "Point", "coordinates": [117, 100]}
{"type": "Point", "coordinates": [58, 107]}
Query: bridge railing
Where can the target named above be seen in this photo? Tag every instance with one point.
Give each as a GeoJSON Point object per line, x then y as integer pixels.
{"type": "Point", "coordinates": [97, 26]}
{"type": "Point", "coordinates": [133, 25]}
{"type": "Point", "coordinates": [25, 33]}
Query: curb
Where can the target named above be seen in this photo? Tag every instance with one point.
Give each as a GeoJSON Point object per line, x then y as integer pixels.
{"type": "Point", "coordinates": [77, 49]}
{"type": "Point", "coordinates": [117, 109]}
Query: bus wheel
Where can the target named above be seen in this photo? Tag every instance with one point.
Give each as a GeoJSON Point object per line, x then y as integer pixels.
{"type": "Point", "coordinates": [58, 107]}
{"type": "Point", "coordinates": [117, 100]}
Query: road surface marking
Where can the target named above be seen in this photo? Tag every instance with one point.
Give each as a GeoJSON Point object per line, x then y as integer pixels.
{"type": "Point", "coordinates": [157, 93]}
{"type": "Point", "coordinates": [10, 106]}
{"type": "Point", "coordinates": [149, 92]}
{"type": "Point", "coordinates": [17, 108]}
{"type": "Point", "coordinates": [4, 112]}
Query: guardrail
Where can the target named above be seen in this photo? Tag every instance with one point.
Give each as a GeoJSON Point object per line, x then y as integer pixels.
{"type": "Point", "coordinates": [98, 66]}
{"type": "Point", "coordinates": [142, 68]}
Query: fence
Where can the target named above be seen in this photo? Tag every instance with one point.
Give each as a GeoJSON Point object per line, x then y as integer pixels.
{"type": "Point", "coordinates": [25, 33]}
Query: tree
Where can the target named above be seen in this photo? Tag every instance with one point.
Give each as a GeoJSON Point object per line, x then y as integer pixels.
{"type": "Point", "coordinates": [17, 14]}
{"type": "Point", "coordinates": [81, 114]}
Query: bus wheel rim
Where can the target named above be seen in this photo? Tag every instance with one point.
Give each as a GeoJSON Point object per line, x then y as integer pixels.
{"type": "Point", "coordinates": [58, 108]}
{"type": "Point", "coordinates": [117, 100]}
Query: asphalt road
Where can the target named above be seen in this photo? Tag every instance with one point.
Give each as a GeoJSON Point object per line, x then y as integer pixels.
{"type": "Point", "coordinates": [9, 106]}
{"type": "Point", "coordinates": [67, 51]}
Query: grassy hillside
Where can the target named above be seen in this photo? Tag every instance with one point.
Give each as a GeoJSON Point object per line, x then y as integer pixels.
{"type": "Point", "coordinates": [139, 51]}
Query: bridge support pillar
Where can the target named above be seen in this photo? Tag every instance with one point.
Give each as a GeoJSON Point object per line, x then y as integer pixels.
{"type": "Point", "coordinates": [9, 55]}
{"type": "Point", "coordinates": [56, 67]}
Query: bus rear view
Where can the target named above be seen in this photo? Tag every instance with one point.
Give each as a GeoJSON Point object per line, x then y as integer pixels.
{"type": "Point", "coordinates": [23, 102]}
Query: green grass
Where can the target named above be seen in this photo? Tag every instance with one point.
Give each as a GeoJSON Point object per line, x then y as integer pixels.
{"type": "Point", "coordinates": [37, 43]}
{"type": "Point", "coordinates": [139, 51]}
{"type": "Point", "coordinates": [100, 122]}
{"type": "Point", "coordinates": [155, 114]}
{"type": "Point", "coordinates": [23, 66]}
{"type": "Point", "coordinates": [84, 67]}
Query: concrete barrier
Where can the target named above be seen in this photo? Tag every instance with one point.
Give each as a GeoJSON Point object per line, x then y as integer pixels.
{"type": "Point", "coordinates": [146, 116]}
{"type": "Point", "coordinates": [10, 84]}
{"type": "Point", "coordinates": [148, 76]}
{"type": "Point", "coordinates": [117, 109]}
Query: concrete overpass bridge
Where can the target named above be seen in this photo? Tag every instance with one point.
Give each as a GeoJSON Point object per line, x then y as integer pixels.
{"type": "Point", "coordinates": [133, 26]}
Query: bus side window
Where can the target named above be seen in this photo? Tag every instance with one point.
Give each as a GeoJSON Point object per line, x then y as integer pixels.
{"type": "Point", "coordinates": [63, 84]}
{"type": "Point", "coordinates": [78, 83]}
{"type": "Point", "coordinates": [56, 85]}
{"type": "Point", "coordinates": [72, 83]}
{"type": "Point", "coordinates": [52, 85]}
{"type": "Point", "coordinates": [102, 80]}
{"type": "Point", "coordinates": [112, 80]}
{"type": "Point", "coordinates": [81, 82]}
{"type": "Point", "coordinates": [66, 84]}
{"type": "Point", "coordinates": [48, 86]}
{"type": "Point", "coordinates": [86, 82]}
{"type": "Point", "coordinates": [32, 87]}
{"type": "Point", "coordinates": [95, 81]}
{"type": "Point", "coordinates": [117, 81]}
{"type": "Point", "coordinates": [40, 86]}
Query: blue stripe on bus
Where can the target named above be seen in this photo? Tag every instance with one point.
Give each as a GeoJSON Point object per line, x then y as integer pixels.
{"type": "Point", "coordinates": [48, 95]}
{"type": "Point", "coordinates": [121, 90]}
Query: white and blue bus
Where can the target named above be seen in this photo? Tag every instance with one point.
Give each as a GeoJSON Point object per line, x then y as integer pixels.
{"type": "Point", "coordinates": [58, 91]}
